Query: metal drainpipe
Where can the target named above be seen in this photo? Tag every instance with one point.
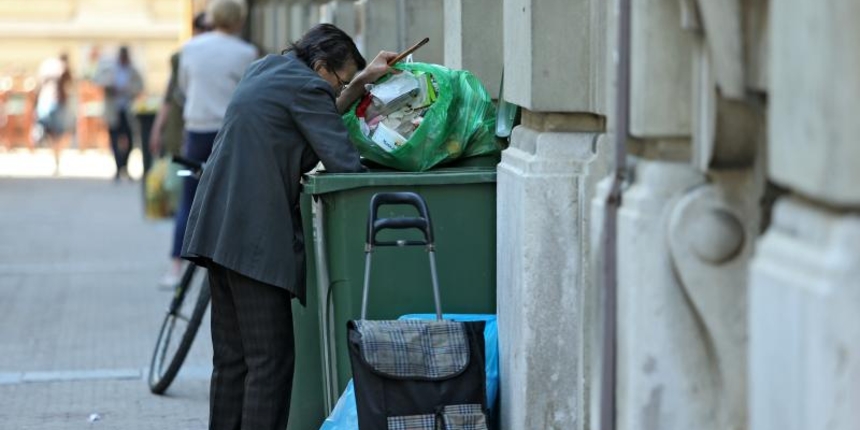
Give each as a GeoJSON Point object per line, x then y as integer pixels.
{"type": "Point", "coordinates": [608, 396]}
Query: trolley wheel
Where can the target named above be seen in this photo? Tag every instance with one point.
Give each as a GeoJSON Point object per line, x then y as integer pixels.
{"type": "Point", "coordinates": [179, 328]}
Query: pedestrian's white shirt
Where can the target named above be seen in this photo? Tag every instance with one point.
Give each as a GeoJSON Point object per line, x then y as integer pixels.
{"type": "Point", "coordinates": [50, 74]}
{"type": "Point", "coordinates": [210, 67]}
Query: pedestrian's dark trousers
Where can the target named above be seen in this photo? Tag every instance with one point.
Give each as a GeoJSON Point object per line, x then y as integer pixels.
{"type": "Point", "coordinates": [197, 147]}
{"type": "Point", "coordinates": [120, 129]}
{"type": "Point", "coordinates": [254, 353]}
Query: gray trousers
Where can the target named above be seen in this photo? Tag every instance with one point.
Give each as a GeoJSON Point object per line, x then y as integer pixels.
{"type": "Point", "coordinates": [254, 353]}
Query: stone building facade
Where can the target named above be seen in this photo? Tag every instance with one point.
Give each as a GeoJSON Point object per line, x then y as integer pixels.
{"type": "Point", "coordinates": [738, 300]}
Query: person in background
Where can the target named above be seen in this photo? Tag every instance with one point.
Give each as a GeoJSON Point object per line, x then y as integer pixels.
{"type": "Point", "coordinates": [210, 67]}
{"type": "Point", "coordinates": [167, 129]}
{"type": "Point", "coordinates": [245, 225]}
{"type": "Point", "coordinates": [93, 63]}
{"type": "Point", "coordinates": [55, 81]}
{"type": "Point", "coordinates": [122, 83]}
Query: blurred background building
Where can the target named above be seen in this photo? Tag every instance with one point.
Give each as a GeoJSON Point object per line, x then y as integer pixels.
{"type": "Point", "coordinates": [89, 32]}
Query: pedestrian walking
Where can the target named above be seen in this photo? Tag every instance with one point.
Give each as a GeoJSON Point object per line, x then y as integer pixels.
{"type": "Point", "coordinates": [167, 129]}
{"type": "Point", "coordinates": [55, 82]}
{"type": "Point", "coordinates": [210, 66]}
{"type": "Point", "coordinates": [122, 83]}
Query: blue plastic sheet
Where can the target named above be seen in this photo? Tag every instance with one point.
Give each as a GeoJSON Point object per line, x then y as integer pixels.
{"type": "Point", "coordinates": [344, 416]}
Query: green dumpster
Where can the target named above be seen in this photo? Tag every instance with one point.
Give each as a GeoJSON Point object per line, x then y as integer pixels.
{"type": "Point", "coordinates": [462, 204]}
{"type": "Point", "coordinates": [307, 407]}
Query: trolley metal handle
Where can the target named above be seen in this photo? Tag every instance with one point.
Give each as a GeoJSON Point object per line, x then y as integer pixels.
{"type": "Point", "coordinates": [376, 224]}
{"type": "Point", "coordinates": [400, 224]}
{"type": "Point", "coordinates": [422, 223]}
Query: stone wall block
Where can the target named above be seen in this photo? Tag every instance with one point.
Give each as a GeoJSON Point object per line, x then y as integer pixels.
{"type": "Point", "coordinates": [379, 27]}
{"type": "Point", "coordinates": [344, 16]}
{"type": "Point", "coordinates": [394, 25]}
{"type": "Point", "coordinates": [282, 26]}
{"type": "Point", "coordinates": [300, 20]}
{"type": "Point", "coordinates": [555, 54]}
{"type": "Point", "coordinates": [661, 70]}
{"type": "Point", "coordinates": [756, 19]}
{"type": "Point", "coordinates": [813, 99]}
{"type": "Point", "coordinates": [805, 320]}
{"type": "Point", "coordinates": [723, 25]}
{"type": "Point", "coordinates": [420, 19]}
{"type": "Point", "coordinates": [473, 39]}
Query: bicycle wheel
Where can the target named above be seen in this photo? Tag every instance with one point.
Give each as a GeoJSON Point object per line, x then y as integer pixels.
{"type": "Point", "coordinates": [179, 328]}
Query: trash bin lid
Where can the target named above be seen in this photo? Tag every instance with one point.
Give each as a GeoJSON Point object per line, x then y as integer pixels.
{"type": "Point", "coordinates": [322, 183]}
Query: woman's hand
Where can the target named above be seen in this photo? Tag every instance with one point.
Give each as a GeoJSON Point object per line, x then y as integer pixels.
{"type": "Point", "coordinates": [373, 71]}
{"type": "Point", "coordinates": [376, 68]}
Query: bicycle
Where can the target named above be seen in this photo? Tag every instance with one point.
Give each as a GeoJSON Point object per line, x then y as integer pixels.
{"type": "Point", "coordinates": [184, 315]}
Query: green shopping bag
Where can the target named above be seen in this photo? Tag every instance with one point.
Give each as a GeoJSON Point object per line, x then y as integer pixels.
{"type": "Point", "coordinates": [459, 123]}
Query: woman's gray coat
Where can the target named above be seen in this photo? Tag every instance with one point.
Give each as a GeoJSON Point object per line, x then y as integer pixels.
{"type": "Point", "coordinates": [281, 121]}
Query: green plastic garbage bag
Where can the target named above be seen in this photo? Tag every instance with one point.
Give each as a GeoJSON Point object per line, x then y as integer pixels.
{"type": "Point", "coordinates": [460, 123]}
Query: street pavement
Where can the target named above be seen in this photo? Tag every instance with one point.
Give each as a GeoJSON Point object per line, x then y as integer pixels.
{"type": "Point", "coordinates": [79, 302]}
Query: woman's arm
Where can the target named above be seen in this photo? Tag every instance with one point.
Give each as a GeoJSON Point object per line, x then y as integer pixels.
{"type": "Point", "coordinates": [373, 71]}
{"type": "Point", "coordinates": [323, 128]}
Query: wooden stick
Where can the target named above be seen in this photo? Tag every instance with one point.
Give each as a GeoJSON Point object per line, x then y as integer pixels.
{"type": "Point", "coordinates": [408, 51]}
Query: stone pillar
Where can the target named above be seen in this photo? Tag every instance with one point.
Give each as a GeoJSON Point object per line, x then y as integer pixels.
{"type": "Point", "coordinates": [545, 182]}
{"type": "Point", "coordinates": [473, 39]}
{"type": "Point", "coordinates": [281, 33]}
{"type": "Point", "coordinates": [254, 28]}
{"type": "Point", "coordinates": [682, 246]}
{"type": "Point", "coordinates": [805, 277]}
{"type": "Point", "coordinates": [269, 25]}
{"type": "Point", "coordinates": [379, 26]}
{"type": "Point", "coordinates": [300, 19]}
{"type": "Point", "coordinates": [394, 25]}
{"type": "Point", "coordinates": [297, 16]}
{"type": "Point", "coordinates": [314, 15]}
{"type": "Point", "coordinates": [420, 19]}
{"type": "Point", "coordinates": [343, 15]}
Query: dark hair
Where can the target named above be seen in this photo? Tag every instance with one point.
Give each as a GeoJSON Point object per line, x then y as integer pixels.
{"type": "Point", "coordinates": [327, 43]}
{"type": "Point", "coordinates": [199, 23]}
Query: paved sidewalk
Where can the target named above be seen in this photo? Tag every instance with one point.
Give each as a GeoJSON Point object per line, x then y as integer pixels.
{"type": "Point", "coordinates": [79, 304]}
{"type": "Point", "coordinates": [90, 163]}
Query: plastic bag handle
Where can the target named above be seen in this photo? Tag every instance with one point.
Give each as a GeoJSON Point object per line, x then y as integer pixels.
{"type": "Point", "coordinates": [194, 167]}
{"type": "Point", "coordinates": [187, 162]}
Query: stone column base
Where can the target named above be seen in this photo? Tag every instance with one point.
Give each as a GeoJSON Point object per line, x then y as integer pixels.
{"type": "Point", "coordinates": [545, 185]}
{"type": "Point", "coordinates": [805, 321]}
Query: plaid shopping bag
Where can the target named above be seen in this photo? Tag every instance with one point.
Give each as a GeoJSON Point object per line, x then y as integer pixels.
{"type": "Point", "coordinates": [418, 375]}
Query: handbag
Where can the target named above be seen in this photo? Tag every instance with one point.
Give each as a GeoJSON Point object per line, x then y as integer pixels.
{"type": "Point", "coordinates": [159, 202]}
